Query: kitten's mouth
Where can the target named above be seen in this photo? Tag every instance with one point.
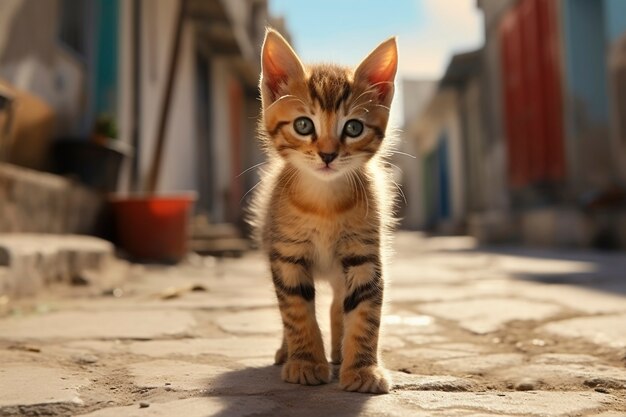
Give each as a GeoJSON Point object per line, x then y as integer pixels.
{"type": "Point", "coordinates": [327, 169]}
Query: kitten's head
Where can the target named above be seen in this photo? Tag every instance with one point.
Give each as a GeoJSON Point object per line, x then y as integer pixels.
{"type": "Point", "coordinates": [326, 120]}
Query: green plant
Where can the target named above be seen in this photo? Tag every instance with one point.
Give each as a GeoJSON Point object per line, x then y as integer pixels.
{"type": "Point", "coordinates": [105, 126]}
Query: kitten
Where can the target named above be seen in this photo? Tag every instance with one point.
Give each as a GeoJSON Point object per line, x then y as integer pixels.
{"type": "Point", "coordinates": [323, 207]}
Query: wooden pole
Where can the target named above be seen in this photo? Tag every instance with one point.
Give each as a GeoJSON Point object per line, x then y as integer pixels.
{"type": "Point", "coordinates": [155, 167]}
{"type": "Point", "coordinates": [136, 105]}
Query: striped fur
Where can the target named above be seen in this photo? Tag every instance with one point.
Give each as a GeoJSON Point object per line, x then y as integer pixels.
{"type": "Point", "coordinates": [326, 220]}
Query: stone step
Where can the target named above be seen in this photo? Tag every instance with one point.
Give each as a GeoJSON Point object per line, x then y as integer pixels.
{"type": "Point", "coordinates": [216, 239]}
{"type": "Point", "coordinates": [203, 230]}
{"type": "Point", "coordinates": [234, 247]}
{"type": "Point", "coordinates": [30, 262]}
{"type": "Point", "coordinates": [39, 202]}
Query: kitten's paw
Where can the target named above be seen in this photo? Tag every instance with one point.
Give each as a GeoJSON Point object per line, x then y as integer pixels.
{"type": "Point", "coordinates": [281, 355]}
{"type": "Point", "coordinates": [306, 373]}
{"type": "Point", "coordinates": [372, 379]}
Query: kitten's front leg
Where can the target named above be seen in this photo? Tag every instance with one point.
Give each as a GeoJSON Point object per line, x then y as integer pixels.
{"type": "Point", "coordinates": [281, 354]}
{"type": "Point", "coordinates": [362, 310]}
{"type": "Point", "coordinates": [336, 328]}
{"type": "Point", "coordinates": [306, 361]}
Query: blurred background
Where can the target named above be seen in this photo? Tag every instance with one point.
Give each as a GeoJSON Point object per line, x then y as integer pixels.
{"type": "Point", "coordinates": [512, 113]}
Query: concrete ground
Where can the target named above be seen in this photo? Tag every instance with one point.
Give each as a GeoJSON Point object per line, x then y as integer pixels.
{"type": "Point", "coordinates": [467, 332]}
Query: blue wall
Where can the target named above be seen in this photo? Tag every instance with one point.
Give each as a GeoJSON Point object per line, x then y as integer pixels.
{"type": "Point", "coordinates": [585, 51]}
{"type": "Point", "coordinates": [106, 59]}
{"type": "Point", "coordinates": [615, 15]}
{"type": "Point", "coordinates": [443, 176]}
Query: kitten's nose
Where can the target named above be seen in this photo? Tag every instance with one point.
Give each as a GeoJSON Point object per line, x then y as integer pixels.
{"type": "Point", "coordinates": [327, 157]}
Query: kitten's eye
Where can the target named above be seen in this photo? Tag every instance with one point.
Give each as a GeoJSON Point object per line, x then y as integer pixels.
{"type": "Point", "coordinates": [303, 126]}
{"type": "Point", "coordinates": [353, 128]}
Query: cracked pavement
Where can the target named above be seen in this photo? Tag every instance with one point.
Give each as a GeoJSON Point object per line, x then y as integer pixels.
{"type": "Point", "coordinates": [467, 331]}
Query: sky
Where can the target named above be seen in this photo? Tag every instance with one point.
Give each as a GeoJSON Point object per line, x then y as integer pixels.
{"type": "Point", "coordinates": [345, 31]}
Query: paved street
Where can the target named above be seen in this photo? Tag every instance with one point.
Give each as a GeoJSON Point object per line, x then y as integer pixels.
{"type": "Point", "coordinates": [467, 332]}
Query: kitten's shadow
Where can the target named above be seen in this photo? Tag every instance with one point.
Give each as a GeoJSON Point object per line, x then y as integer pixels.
{"type": "Point", "coordinates": [260, 391]}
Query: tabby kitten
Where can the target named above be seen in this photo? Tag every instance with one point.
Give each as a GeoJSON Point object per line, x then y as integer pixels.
{"type": "Point", "coordinates": [323, 207]}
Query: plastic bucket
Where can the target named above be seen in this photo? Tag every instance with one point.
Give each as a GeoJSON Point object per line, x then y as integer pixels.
{"type": "Point", "coordinates": [153, 228]}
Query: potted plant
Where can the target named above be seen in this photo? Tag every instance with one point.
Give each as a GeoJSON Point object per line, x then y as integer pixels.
{"type": "Point", "coordinates": [94, 161]}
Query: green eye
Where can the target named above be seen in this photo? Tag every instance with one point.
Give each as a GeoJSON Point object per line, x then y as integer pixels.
{"type": "Point", "coordinates": [303, 126]}
{"type": "Point", "coordinates": [353, 128]}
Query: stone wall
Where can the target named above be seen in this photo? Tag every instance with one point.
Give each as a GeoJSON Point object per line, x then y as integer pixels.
{"type": "Point", "coordinates": [38, 202]}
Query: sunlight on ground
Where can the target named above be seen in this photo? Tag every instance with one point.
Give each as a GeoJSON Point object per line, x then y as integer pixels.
{"type": "Point", "coordinates": [417, 320]}
{"type": "Point", "coordinates": [529, 266]}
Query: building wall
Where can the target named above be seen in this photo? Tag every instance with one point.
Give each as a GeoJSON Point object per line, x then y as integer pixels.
{"type": "Point", "coordinates": [586, 97]}
{"type": "Point", "coordinates": [615, 17]}
{"type": "Point", "coordinates": [125, 116]}
{"type": "Point", "coordinates": [412, 211]}
{"type": "Point", "coordinates": [531, 86]}
{"type": "Point", "coordinates": [584, 30]}
{"type": "Point", "coordinates": [474, 145]}
{"type": "Point", "coordinates": [587, 33]}
{"type": "Point", "coordinates": [494, 150]}
{"type": "Point", "coordinates": [436, 195]}
{"type": "Point", "coordinates": [178, 171]}
{"type": "Point", "coordinates": [584, 42]}
{"type": "Point", "coordinates": [106, 63]}
{"type": "Point", "coordinates": [456, 164]}
{"type": "Point", "coordinates": [493, 10]}
{"type": "Point", "coordinates": [416, 96]}
{"type": "Point", "coordinates": [180, 158]}
{"type": "Point", "coordinates": [254, 157]}
{"type": "Point", "coordinates": [37, 62]}
{"type": "Point", "coordinates": [221, 144]}
{"type": "Point", "coordinates": [212, 121]}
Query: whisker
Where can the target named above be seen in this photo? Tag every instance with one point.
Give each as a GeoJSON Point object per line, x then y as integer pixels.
{"type": "Point", "coordinates": [291, 177]}
{"type": "Point", "coordinates": [250, 190]}
{"type": "Point", "coordinates": [348, 176]}
{"type": "Point", "coordinates": [400, 190]}
{"type": "Point", "coordinates": [396, 167]}
{"type": "Point", "coordinates": [252, 167]}
{"type": "Point", "coordinates": [361, 107]}
{"type": "Point", "coordinates": [369, 90]}
{"type": "Point", "coordinates": [281, 98]}
{"type": "Point", "coordinates": [372, 89]}
{"type": "Point", "coordinates": [403, 153]}
{"type": "Point", "coordinates": [381, 82]}
{"type": "Point", "coordinates": [353, 184]}
{"type": "Point", "coordinates": [361, 104]}
{"type": "Point", "coordinates": [367, 203]}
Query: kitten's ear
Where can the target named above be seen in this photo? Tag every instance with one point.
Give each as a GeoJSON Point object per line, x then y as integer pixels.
{"type": "Point", "coordinates": [279, 63]}
{"type": "Point", "coordinates": [379, 69]}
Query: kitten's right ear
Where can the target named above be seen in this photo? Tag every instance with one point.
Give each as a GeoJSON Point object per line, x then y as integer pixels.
{"type": "Point", "coordinates": [279, 63]}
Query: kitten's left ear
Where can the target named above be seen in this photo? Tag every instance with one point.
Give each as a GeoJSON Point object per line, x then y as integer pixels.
{"type": "Point", "coordinates": [379, 69]}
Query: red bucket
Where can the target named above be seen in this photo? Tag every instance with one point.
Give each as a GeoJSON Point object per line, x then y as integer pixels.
{"type": "Point", "coordinates": [154, 228]}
